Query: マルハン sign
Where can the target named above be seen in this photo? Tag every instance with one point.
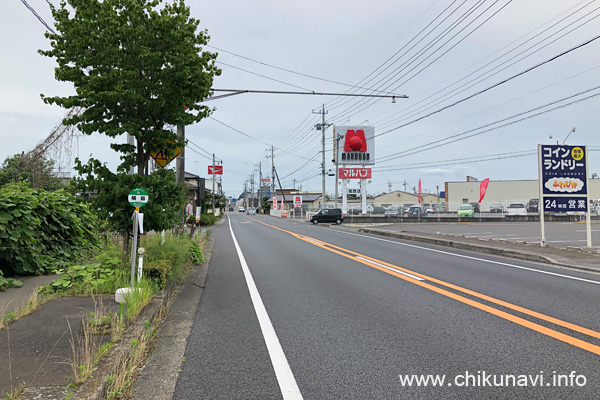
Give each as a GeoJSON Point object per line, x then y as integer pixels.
{"type": "Point", "coordinates": [355, 173]}
{"type": "Point", "coordinates": [563, 177]}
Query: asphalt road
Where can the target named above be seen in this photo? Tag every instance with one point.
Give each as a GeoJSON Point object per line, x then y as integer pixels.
{"type": "Point", "coordinates": [349, 315]}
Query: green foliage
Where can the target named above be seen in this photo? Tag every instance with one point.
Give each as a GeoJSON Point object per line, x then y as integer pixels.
{"type": "Point", "coordinates": [207, 219]}
{"type": "Point", "coordinates": [137, 73]}
{"type": "Point", "coordinates": [6, 283]}
{"type": "Point", "coordinates": [40, 229]}
{"type": "Point", "coordinates": [82, 278]}
{"type": "Point", "coordinates": [162, 263]}
{"type": "Point", "coordinates": [196, 253]}
{"type": "Point", "coordinates": [9, 318]}
{"type": "Point", "coordinates": [35, 172]}
{"type": "Point", "coordinates": [161, 212]}
{"type": "Point", "coordinates": [265, 204]}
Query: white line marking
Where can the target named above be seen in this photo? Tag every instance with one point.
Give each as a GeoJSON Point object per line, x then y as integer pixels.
{"type": "Point", "coordinates": [391, 269]}
{"type": "Point", "coordinates": [285, 377]}
{"type": "Point", "coordinates": [474, 258]}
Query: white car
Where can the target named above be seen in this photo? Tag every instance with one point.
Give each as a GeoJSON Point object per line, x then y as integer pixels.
{"type": "Point", "coordinates": [516, 209]}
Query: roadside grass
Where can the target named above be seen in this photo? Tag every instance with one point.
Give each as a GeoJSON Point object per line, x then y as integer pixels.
{"type": "Point", "coordinates": [103, 275]}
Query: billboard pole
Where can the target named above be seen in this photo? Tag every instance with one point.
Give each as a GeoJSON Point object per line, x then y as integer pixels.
{"type": "Point", "coordinates": [588, 217]}
{"type": "Point", "coordinates": [541, 197]}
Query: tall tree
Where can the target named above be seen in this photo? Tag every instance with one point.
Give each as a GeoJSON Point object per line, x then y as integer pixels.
{"type": "Point", "coordinates": [137, 66]}
{"type": "Point", "coordinates": [36, 172]}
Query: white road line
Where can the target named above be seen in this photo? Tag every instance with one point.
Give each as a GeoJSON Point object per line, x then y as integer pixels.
{"type": "Point", "coordinates": [285, 377]}
{"type": "Point", "coordinates": [473, 258]}
{"type": "Point", "coordinates": [391, 269]}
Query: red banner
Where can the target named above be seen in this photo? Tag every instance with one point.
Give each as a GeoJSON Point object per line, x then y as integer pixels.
{"type": "Point", "coordinates": [354, 173]}
{"type": "Point", "coordinates": [483, 188]}
{"type": "Point", "coordinates": [419, 191]}
{"type": "Point", "coordinates": [218, 170]}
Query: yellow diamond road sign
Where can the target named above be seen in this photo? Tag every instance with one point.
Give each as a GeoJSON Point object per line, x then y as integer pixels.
{"type": "Point", "coordinates": [163, 159]}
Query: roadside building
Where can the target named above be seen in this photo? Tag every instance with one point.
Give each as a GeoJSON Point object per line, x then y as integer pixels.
{"type": "Point", "coordinates": [500, 192]}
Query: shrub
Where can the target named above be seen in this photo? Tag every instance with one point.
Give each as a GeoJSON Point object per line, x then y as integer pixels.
{"type": "Point", "coordinates": [207, 219]}
{"type": "Point", "coordinates": [39, 229]}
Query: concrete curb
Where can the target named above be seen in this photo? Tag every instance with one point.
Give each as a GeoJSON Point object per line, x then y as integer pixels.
{"type": "Point", "coordinates": [479, 248]}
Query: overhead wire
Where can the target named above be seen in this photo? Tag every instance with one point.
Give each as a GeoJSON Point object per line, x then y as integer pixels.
{"type": "Point", "coordinates": [473, 79]}
{"type": "Point", "coordinates": [368, 103]}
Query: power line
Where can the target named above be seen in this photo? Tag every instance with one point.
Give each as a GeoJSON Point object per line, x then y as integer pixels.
{"type": "Point", "coordinates": [263, 76]}
{"type": "Point", "coordinates": [494, 85]}
{"type": "Point", "coordinates": [38, 16]}
{"type": "Point", "coordinates": [288, 70]}
{"type": "Point", "coordinates": [464, 86]}
{"type": "Point", "coordinates": [461, 136]}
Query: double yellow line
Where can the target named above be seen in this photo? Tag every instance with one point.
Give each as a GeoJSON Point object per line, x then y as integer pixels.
{"type": "Point", "coordinates": [422, 280]}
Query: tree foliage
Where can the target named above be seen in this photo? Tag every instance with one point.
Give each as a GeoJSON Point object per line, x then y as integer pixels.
{"type": "Point", "coordinates": [107, 192]}
{"type": "Point", "coordinates": [41, 230]}
{"type": "Point", "coordinates": [136, 67]}
{"type": "Point", "coordinates": [36, 172]}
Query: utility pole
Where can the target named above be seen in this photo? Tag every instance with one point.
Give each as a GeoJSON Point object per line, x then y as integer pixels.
{"type": "Point", "coordinates": [213, 185]}
{"type": "Point", "coordinates": [272, 172]}
{"type": "Point", "coordinates": [336, 144]}
{"type": "Point", "coordinates": [180, 165]}
{"type": "Point", "coordinates": [259, 184]}
{"type": "Point", "coordinates": [322, 127]}
{"type": "Point", "coordinates": [404, 183]}
{"type": "Point", "coordinates": [252, 187]}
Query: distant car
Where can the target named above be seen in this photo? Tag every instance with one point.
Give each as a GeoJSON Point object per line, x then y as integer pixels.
{"type": "Point", "coordinates": [516, 209]}
{"type": "Point", "coordinates": [415, 211]}
{"type": "Point", "coordinates": [533, 205]}
{"type": "Point", "coordinates": [378, 210]}
{"type": "Point", "coordinates": [465, 210]}
{"type": "Point", "coordinates": [328, 215]}
{"type": "Point", "coordinates": [354, 211]}
{"type": "Point", "coordinates": [475, 206]}
{"type": "Point", "coordinates": [230, 208]}
{"type": "Point", "coordinates": [241, 209]}
{"type": "Point", "coordinates": [394, 211]}
{"type": "Point", "coordinates": [496, 208]}
{"type": "Point", "coordinates": [251, 211]}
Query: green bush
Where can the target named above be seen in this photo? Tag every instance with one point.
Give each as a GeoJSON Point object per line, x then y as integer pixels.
{"type": "Point", "coordinates": [40, 229]}
{"type": "Point", "coordinates": [207, 219]}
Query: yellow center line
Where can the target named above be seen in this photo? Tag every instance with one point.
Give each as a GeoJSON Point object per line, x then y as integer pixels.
{"type": "Point", "coordinates": [366, 260]}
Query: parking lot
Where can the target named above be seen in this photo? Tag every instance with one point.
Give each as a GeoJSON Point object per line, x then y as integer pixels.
{"type": "Point", "coordinates": [558, 234]}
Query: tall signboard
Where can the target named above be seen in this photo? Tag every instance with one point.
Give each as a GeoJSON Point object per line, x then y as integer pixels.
{"type": "Point", "coordinates": [357, 147]}
{"type": "Point", "coordinates": [563, 182]}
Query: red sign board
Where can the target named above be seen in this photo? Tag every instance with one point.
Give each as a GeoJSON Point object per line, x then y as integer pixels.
{"type": "Point", "coordinates": [218, 170]}
{"type": "Point", "coordinates": [355, 173]}
{"type": "Point", "coordinates": [297, 201]}
{"type": "Point", "coordinates": [265, 180]}
{"type": "Point", "coordinates": [274, 203]}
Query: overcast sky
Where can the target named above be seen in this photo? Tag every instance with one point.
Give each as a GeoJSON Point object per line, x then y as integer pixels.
{"type": "Point", "coordinates": [435, 52]}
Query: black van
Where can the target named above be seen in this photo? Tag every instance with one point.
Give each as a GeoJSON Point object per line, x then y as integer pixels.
{"type": "Point", "coordinates": [328, 215]}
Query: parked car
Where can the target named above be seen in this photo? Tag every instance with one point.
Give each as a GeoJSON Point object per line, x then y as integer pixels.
{"type": "Point", "coordinates": [251, 211]}
{"type": "Point", "coordinates": [533, 205]}
{"type": "Point", "coordinates": [394, 211]}
{"type": "Point", "coordinates": [516, 209]}
{"type": "Point", "coordinates": [475, 206]}
{"type": "Point", "coordinates": [496, 208]}
{"type": "Point", "coordinates": [354, 211]}
{"type": "Point", "coordinates": [465, 210]}
{"type": "Point", "coordinates": [328, 215]}
{"type": "Point", "coordinates": [241, 209]}
{"type": "Point", "coordinates": [230, 208]}
{"type": "Point", "coordinates": [415, 211]}
{"type": "Point", "coordinates": [378, 210]}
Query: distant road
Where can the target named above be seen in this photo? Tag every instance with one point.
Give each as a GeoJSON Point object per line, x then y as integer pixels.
{"type": "Point", "coordinates": [301, 311]}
